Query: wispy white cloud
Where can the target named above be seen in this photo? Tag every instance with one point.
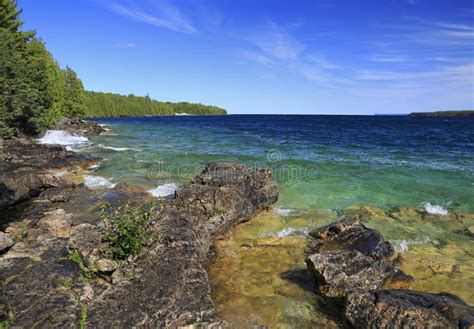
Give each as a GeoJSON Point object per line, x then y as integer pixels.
{"type": "Point", "coordinates": [274, 47]}
{"type": "Point", "coordinates": [383, 58]}
{"type": "Point", "coordinates": [276, 42]}
{"type": "Point", "coordinates": [254, 56]}
{"type": "Point", "coordinates": [165, 16]}
{"type": "Point", "coordinates": [125, 45]}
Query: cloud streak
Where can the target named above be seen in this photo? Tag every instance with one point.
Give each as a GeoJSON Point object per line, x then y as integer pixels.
{"type": "Point", "coordinates": [125, 45]}
{"type": "Point", "coordinates": [167, 16]}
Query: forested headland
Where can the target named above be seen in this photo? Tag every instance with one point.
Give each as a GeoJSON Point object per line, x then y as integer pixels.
{"type": "Point", "coordinates": [462, 113]}
{"type": "Point", "coordinates": [35, 92]}
{"type": "Point", "coordinates": [100, 104]}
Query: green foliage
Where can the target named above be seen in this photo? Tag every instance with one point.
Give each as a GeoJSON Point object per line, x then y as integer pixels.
{"type": "Point", "coordinates": [77, 258]}
{"type": "Point", "coordinates": [34, 92]}
{"type": "Point", "coordinates": [126, 228]}
{"type": "Point", "coordinates": [219, 212]}
{"type": "Point", "coordinates": [22, 231]}
{"type": "Point", "coordinates": [74, 97]}
{"type": "Point", "coordinates": [9, 320]}
{"type": "Point", "coordinates": [83, 319]}
{"type": "Point", "coordinates": [115, 105]}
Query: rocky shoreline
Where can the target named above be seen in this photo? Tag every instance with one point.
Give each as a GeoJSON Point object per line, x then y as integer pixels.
{"type": "Point", "coordinates": [55, 270]}
{"type": "Point", "coordinates": [356, 264]}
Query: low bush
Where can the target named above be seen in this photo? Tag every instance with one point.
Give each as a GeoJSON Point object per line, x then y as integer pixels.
{"type": "Point", "coordinates": [125, 228]}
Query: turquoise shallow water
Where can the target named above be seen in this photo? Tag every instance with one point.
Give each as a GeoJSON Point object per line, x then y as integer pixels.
{"type": "Point", "coordinates": [412, 179]}
{"type": "Point", "coordinates": [321, 162]}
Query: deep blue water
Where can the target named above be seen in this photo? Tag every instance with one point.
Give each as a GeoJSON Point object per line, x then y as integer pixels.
{"type": "Point", "coordinates": [325, 162]}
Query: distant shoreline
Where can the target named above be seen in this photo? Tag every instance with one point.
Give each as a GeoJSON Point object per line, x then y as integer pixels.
{"type": "Point", "coordinates": [466, 113]}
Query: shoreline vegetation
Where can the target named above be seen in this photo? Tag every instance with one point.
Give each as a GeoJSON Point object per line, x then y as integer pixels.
{"type": "Point", "coordinates": [464, 113]}
{"type": "Point", "coordinates": [99, 104]}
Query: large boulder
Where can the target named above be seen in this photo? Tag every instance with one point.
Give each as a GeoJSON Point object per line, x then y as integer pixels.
{"type": "Point", "coordinates": [19, 188]}
{"type": "Point", "coordinates": [338, 273]}
{"type": "Point", "coordinates": [170, 286]}
{"type": "Point", "coordinates": [350, 234]}
{"type": "Point", "coordinates": [5, 242]}
{"type": "Point", "coordinates": [347, 256]}
{"type": "Point", "coordinates": [407, 309]}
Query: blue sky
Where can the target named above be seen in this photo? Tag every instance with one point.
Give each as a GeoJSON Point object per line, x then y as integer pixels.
{"type": "Point", "coordinates": [278, 56]}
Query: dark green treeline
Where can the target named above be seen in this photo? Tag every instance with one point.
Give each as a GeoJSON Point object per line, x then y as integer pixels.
{"type": "Point", "coordinates": [115, 105]}
{"type": "Point", "coordinates": [35, 92]}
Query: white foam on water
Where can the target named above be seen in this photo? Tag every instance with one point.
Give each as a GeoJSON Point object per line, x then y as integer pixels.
{"type": "Point", "coordinates": [163, 190]}
{"type": "Point", "coordinates": [284, 212]}
{"type": "Point", "coordinates": [289, 231]}
{"type": "Point", "coordinates": [182, 114]}
{"type": "Point", "coordinates": [403, 245]}
{"type": "Point", "coordinates": [94, 167]}
{"type": "Point", "coordinates": [97, 182]}
{"type": "Point", "coordinates": [118, 149]}
{"type": "Point", "coordinates": [61, 137]}
{"type": "Point", "coordinates": [434, 209]}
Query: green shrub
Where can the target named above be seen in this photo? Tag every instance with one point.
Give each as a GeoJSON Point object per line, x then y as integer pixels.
{"type": "Point", "coordinates": [126, 229]}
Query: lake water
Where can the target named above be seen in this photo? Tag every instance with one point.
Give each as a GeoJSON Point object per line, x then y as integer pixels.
{"type": "Point", "coordinates": [410, 178]}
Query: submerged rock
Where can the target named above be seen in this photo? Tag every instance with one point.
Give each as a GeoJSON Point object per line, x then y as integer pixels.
{"type": "Point", "coordinates": [404, 308]}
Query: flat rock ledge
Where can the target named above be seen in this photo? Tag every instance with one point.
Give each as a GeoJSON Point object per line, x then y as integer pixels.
{"type": "Point", "coordinates": [353, 264]}
{"type": "Point", "coordinates": [80, 127]}
{"type": "Point", "coordinates": [166, 285]}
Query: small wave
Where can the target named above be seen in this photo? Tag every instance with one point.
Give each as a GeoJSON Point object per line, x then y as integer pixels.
{"type": "Point", "coordinates": [289, 231]}
{"type": "Point", "coordinates": [97, 182]}
{"type": "Point", "coordinates": [118, 149]}
{"type": "Point", "coordinates": [94, 167]}
{"type": "Point", "coordinates": [182, 114]}
{"type": "Point", "coordinates": [434, 209]}
{"type": "Point", "coordinates": [402, 245]}
{"type": "Point", "coordinates": [163, 190]}
{"type": "Point", "coordinates": [61, 137]}
{"type": "Point", "coordinates": [284, 212]}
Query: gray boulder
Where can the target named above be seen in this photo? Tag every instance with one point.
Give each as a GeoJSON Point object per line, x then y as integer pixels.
{"type": "Point", "coordinates": [5, 242]}
{"type": "Point", "coordinates": [407, 309]}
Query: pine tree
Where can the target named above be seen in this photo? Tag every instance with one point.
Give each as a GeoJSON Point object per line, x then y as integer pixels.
{"type": "Point", "coordinates": [74, 102]}
{"type": "Point", "coordinates": [34, 92]}
{"type": "Point", "coordinates": [10, 20]}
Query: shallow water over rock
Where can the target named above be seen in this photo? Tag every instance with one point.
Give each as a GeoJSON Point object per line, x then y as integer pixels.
{"type": "Point", "coordinates": [259, 279]}
{"type": "Point", "coordinates": [259, 276]}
